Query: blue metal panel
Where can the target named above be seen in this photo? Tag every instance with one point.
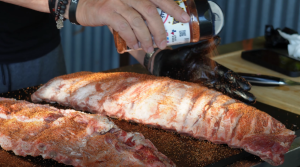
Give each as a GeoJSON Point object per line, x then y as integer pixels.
{"type": "Point", "coordinates": [246, 19]}
{"type": "Point", "coordinates": [93, 49]}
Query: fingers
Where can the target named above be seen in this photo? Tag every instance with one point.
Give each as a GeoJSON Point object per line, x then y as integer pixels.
{"type": "Point", "coordinates": [235, 93]}
{"type": "Point", "coordinates": [119, 24]}
{"type": "Point", "coordinates": [128, 18]}
{"type": "Point", "coordinates": [154, 22]}
{"type": "Point", "coordinates": [232, 78]}
{"type": "Point", "coordinates": [246, 97]}
{"type": "Point", "coordinates": [243, 83]}
{"type": "Point", "coordinates": [139, 27]}
{"type": "Point", "coordinates": [172, 8]}
{"type": "Point", "coordinates": [237, 81]}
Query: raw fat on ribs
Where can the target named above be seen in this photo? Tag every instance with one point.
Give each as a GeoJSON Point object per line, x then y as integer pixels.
{"type": "Point", "coordinates": [185, 107]}
{"type": "Point", "coordinates": [72, 137]}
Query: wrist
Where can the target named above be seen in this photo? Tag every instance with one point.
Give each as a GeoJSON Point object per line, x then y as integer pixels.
{"type": "Point", "coordinates": [62, 10]}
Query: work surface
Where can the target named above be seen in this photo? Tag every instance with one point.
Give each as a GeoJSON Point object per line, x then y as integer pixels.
{"type": "Point", "coordinates": [283, 97]}
{"type": "Point", "coordinates": [186, 151]}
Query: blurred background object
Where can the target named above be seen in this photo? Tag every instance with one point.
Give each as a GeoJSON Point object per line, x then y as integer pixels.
{"type": "Point", "coordinates": [244, 19]}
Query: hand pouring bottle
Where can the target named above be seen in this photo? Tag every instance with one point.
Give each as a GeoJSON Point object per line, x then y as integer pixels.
{"type": "Point", "coordinates": [207, 20]}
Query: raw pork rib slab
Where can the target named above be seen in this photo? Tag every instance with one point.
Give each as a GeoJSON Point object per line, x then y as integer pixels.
{"type": "Point", "coordinates": [72, 137]}
{"type": "Point", "coordinates": [185, 107]}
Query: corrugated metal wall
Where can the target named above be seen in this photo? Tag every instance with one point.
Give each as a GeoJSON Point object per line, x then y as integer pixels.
{"type": "Point", "coordinates": [94, 50]}
{"type": "Point", "coordinates": [246, 19]}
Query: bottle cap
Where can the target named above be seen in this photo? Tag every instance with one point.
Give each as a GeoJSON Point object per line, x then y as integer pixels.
{"type": "Point", "coordinates": [211, 18]}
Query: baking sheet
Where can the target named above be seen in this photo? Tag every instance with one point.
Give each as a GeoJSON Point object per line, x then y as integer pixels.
{"type": "Point", "coordinates": [184, 151]}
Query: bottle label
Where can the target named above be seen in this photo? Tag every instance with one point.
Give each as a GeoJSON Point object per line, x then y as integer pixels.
{"type": "Point", "coordinates": [177, 32]}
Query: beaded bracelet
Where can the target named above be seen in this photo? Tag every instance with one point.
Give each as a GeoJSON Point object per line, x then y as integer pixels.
{"type": "Point", "coordinates": [60, 11]}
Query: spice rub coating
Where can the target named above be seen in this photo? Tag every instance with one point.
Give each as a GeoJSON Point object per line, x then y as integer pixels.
{"type": "Point", "coordinates": [72, 137]}
{"type": "Point", "coordinates": [187, 108]}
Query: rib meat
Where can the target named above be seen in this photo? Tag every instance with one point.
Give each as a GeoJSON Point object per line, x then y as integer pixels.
{"type": "Point", "coordinates": [174, 105]}
{"type": "Point", "coordinates": [72, 137]}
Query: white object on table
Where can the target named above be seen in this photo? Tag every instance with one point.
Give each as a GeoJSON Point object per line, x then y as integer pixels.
{"type": "Point", "coordinates": [294, 46]}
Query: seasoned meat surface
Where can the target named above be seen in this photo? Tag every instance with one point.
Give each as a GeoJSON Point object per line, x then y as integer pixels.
{"type": "Point", "coordinates": [72, 137]}
{"type": "Point", "coordinates": [187, 108]}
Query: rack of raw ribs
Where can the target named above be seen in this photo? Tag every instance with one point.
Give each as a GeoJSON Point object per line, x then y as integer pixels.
{"type": "Point", "coordinates": [90, 138]}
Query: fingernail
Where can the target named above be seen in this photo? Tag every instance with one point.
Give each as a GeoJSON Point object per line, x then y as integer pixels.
{"type": "Point", "coordinates": [163, 44]}
{"type": "Point", "coordinates": [185, 17]}
{"type": "Point", "coordinates": [136, 47]}
{"type": "Point", "coordinates": [150, 49]}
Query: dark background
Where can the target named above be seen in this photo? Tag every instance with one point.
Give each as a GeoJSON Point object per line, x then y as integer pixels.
{"type": "Point", "coordinates": [93, 48]}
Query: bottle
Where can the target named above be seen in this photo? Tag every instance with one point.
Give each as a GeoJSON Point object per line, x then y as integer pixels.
{"type": "Point", "coordinates": [207, 20]}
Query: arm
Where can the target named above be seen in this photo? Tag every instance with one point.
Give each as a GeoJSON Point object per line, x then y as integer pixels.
{"type": "Point", "coordinates": [38, 5]}
{"type": "Point", "coordinates": [127, 17]}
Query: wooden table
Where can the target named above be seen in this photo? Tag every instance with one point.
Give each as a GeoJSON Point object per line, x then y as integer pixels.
{"type": "Point", "coordinates": [283, 97]}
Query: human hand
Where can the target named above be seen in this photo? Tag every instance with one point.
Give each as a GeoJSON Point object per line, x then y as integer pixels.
{"type": "Point", "coordinates": [127, 17]}
{"type": "Point", "coordinates": [192, 63]}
